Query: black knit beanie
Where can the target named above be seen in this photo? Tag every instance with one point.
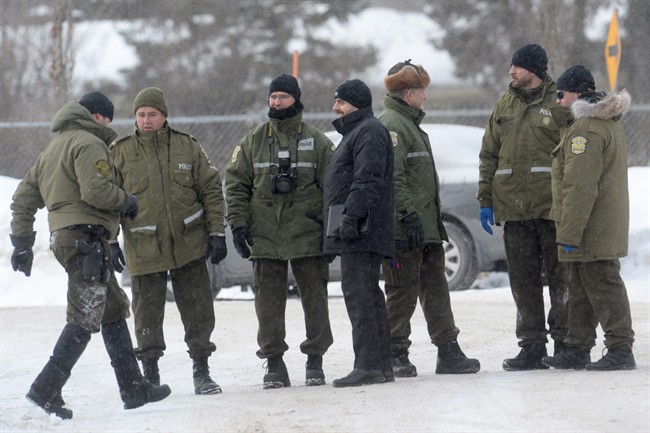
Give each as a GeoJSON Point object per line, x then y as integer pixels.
{"type": "Point", "coordinates": [531, 57]}
{"type": "Point", "coordinates": [576, 79]}
{"type": "Point", "coordinates": [354, 92]}
{"type": "Point", "coordinates": [98, 103]}
{"type": "Point", "coordinates": [286, 83]}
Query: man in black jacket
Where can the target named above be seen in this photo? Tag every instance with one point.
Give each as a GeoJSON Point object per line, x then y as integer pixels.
{"type": "Point", "coordinates": [360, 178]}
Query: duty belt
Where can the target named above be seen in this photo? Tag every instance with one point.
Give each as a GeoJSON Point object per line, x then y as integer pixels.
{"type": "Point", "coordinates": [94, 231]}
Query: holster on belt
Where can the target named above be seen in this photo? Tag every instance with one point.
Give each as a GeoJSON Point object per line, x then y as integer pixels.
{"type": "Point", "coordinates": [96, 264]}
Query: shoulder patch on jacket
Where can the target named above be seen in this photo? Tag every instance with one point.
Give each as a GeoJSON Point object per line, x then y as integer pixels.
{"type": "Point", "coordinates": [578, 145]}
{"type": "Point", "coordinates": [235, 154]}
{"type": "Point", "coordinates": [393, 137]}
{"type": "Point", "coordinates": [103, 168]}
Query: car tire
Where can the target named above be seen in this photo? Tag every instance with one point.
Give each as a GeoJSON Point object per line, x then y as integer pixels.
{"type": "Point", "coordinates": [461, 263]}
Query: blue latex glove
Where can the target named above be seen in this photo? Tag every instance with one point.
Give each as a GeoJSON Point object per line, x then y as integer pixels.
{"type": "Point", "coordinates": [487, 216]}
{"type": "Point", "coordinates": [567, 248]}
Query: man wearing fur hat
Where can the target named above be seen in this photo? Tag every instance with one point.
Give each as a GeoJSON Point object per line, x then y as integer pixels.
{"type": "Point", "coordinates": [360, 181]}
{"type": "Point", "coordinates": [274, 192]}
{"type": "Point", "coordinates": [180, 225]}
{"type": "Point", "coordinates": [591, 207]}
{"type": "Point", "coordinates": [515, 190]}
{"type": "Point", "coordinates": [418, 267]}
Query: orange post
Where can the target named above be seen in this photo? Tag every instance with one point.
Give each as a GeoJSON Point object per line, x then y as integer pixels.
{"type": "Point", "coordinates": [294, 70]}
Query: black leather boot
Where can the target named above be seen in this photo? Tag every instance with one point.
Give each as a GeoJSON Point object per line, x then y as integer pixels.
{"type": "Point", "coordinates": [402, 366]}
{"type": "Point", "coordinates": [45, 392]}
{"type": "Point", "coordinates": [276, 375]}
{"type": "Point", "coordinates": [571, 357]}
{"type": "Point", "coordinates": [135, 390]}
{"type": "Point", "coordinates": [150, 370]}
{"type": "Point", "coordinates": [529, 358]}
{"type": "Point", "coordinates": [452, 360]}
{"type": "Point", "coordinates": [617, 358]}
{"type": "Point", "coordinates": [203, 383]}
{"type": "Point", "coordinates": [360, 376]}
{"type": "Point", "coordinates": [314, 374]}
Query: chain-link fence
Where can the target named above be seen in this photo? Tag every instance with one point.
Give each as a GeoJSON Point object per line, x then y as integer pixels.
{"type": "Point", "coordinates": [21, 142]}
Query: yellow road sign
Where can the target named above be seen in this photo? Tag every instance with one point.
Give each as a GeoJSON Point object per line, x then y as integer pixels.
{"type": "Point", "coordinates": [613, 51]}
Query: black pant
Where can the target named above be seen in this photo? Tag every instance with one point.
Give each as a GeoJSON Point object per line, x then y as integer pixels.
{"type": "Point", "coordinates": [531, 248]}
{"type": "Point", "coordinates": [366, 307]}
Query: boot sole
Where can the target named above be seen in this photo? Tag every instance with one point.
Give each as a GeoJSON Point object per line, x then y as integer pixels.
{"type": "Point", "coordinates": [314, 382]}
{"type": "Point", "coordinates": [274, 385]}
{"type": "Point", "coordinates": [211, 391]}
{"type": "Point", "coordinates": [535, 367]}
{"type": "Point", "coordinates": [370, 381]}
{"type": "Point", "coordinates": [612, 368]}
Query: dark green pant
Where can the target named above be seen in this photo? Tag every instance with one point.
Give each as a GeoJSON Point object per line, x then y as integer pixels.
{"type": "Point", "coordinates": [90, 304]}
{"type": "Point", "coordinates": [419, 273]}
{"type": "Point", "coordinates": [531, 248]}
{"type": "Point", "coordinates": [193, 295]}
{"type": "Point", "coordinates": [271, 280]}
{"type": "Point", "coordinates": [597, 294]}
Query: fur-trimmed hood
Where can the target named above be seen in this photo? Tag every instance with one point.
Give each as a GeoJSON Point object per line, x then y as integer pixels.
{"type": "Point", "coordinates": [612, 106]}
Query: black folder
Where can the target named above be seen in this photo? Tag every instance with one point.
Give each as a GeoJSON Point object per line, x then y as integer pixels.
{"type": "Point", "coordinates": [334, 217]}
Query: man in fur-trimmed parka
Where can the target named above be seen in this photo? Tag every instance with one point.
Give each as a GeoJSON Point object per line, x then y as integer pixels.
{"type": "Point", "coordinates": [591, 210]}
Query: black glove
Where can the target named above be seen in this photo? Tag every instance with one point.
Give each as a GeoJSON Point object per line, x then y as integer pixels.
{"type": "Point", "coordinates": [130, 207]}
{"type": "Point", "coordinates": [414, 231]}
{"type": "Point", "coordinates": [348, 229]}
{"type": "Point", "coordinates": [242, 239]}
{"type": "Point", "coordinates": [329, 258]}
{"type": "Point", "coordinates": [23, 256]}
{"type": "Point", "coordinates": [217, 249]}
{"type": "Point", "coordinates": [117, 258]}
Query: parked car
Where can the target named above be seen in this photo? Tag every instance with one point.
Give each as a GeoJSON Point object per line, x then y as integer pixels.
{"type": "Point", "coordinates": [469, 251]}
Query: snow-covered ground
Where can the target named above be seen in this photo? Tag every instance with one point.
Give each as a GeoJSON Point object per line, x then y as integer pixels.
{"type": "Point", "coordinates": [32, 314]}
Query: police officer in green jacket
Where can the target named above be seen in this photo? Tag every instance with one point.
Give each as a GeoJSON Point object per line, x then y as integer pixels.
{"type": "Point", "coordinates": [274, 193]}
{"type": "Point", "coordinates": [515, 190]}
{"type": "Point", "coordinates": [591, 207]}
{"type": "Point", "coordinates": [180, 225]}
{"type": "Point", "coordinates": [75, 179]}
{"type": "Point", "coordinates": [418, 268]}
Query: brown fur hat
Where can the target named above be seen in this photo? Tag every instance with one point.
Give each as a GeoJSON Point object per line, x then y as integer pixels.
{"type": "Point", "coordinates": [406, 75]}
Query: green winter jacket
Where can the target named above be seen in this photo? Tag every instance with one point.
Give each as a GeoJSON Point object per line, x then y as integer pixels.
{"type": "Point", "coordinates": [180, 196]}
{"type": "Point", "coordinates": [73, 176]}
{"type": "Point", "coordinates": [283, 226]}
{"type": "Point", "coordinates": [515, 158]}
{"type": "Point", "coordinates": [417, 188]}
{"type": "Point", "coordinates": [590, 192]}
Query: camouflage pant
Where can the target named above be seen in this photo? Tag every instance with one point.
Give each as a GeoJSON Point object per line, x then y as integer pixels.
{"type": "Point", "coordinates": [193, 296]}
{"type": "Point", "coordinates": [270, 280]}
{"type": "Point", "coordinates": [90, 304]}
{"type": "Point", "coordinates": [597, 294]}
{"type": "Point", "coordinates": [419, 273]}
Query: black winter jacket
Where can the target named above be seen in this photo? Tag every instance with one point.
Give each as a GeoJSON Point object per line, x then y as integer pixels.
{"type": "Point", "coordinates": [360, 175]}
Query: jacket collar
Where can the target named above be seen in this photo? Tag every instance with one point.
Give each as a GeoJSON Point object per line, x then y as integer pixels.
{"type": "Point", "coordinates": [346, 123]}
{"type": "Point", "coordinates": [414, 114]}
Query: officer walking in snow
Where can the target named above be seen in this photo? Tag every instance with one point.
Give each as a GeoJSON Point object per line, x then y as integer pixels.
{"type": "Point", "coordinates": [74, 178]}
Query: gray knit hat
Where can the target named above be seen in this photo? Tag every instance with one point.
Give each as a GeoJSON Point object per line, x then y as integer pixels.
{"type": "Point", "coordinates": [151, 97]}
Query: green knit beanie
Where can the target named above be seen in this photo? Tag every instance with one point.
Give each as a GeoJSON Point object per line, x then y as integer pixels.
{"type": "Point", "coordinates": [151, 97]}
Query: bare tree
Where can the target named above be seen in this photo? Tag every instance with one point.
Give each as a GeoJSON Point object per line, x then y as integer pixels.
{"type": "Point", "coordinates": [62, 57]}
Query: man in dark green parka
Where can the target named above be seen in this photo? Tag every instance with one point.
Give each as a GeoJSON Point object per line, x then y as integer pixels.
{"type": "Point", "coordinates": [274, 193]}
{"type": "Point", "coordinates": [418, 268]}
{"type": "Point", "coordinates": [591, 210]}
{"type": "Point", "coordinates": [180, 225]}
{"type": "Point", "coordinates": [74, 178]}
{"type": "Point", "coordinates": [514, 189]}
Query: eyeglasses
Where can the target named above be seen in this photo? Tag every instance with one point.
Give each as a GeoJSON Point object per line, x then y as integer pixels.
{"type": "Point", "coordinates": [559, 95]}
{"type": "Point", "coordinates": [279, 97]}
